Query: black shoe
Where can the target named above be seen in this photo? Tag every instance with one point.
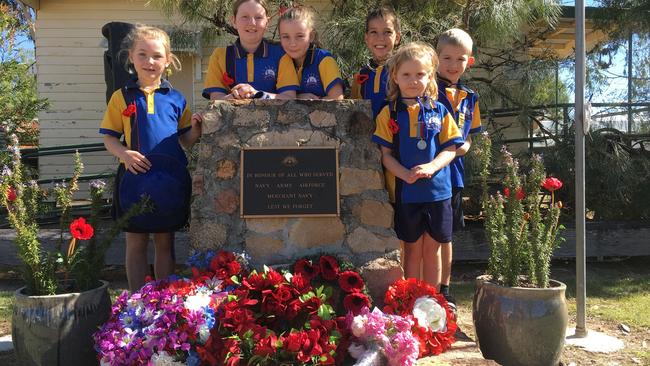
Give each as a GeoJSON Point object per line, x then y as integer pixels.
{"type": "Point", "coordinates": [451, 301]}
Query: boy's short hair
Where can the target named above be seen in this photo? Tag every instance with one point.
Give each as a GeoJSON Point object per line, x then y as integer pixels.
{"type": "Point", "coordinates": [386, 13]}
{"type": "Point", "coordinates": [455, 37]}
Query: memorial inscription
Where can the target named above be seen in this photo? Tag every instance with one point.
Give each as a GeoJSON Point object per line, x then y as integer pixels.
{"type": "Point", "coordinates": [289, 182]}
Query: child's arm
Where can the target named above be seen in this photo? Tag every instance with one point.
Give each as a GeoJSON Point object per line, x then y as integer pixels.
{"type": "Point", "coordinates": [189, 138]}
{"type": "Point", "coordinates": [461, 151]}
{"type": "Point", "coordinates": [133, 160]}
{"type": "Point", "coordinates": [394, 166]}
{"type": "Point", "coordinates": [246, 91]}
{"type": "Point", "coordinates": [442, 160]}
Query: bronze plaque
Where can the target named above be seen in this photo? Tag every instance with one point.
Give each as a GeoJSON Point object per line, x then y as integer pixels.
{"type": "Point", "coordinates": [277, 182]}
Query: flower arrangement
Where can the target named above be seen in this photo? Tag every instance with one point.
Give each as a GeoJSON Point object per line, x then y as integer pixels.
{"type": "Point", "coordinates": [521, 228]}
{"type": "Point", "coordinates": [274, 318]}
{"type": "Point", "coordinates": [48, 273]}
{"type": "Point", "coordinates": [168, 322]}
{"type": "Point", "coordinates": [382, 339]}
{"type": "Point", "coordinates": [434, 323]}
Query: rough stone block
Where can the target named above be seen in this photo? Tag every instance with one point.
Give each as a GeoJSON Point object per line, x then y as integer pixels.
{"type": "Point", "coordinates": [226, 169]}
{"type": "Point", "coordinates": [363, 241]}
{"type": "Point", "coordinates": [263, 248]}
{"type": "Point", "coordinates": [266, 226]}
{"type": "Point", "coordinates": [379, 274]}
{"type": "Point", "coordinates": [320, 118]}
{"type": "Point", "coordinates": [355, 181]}
{"type": "Point", "coordinates": [294, 137]}
{"type": "Point", "coordinates": [226, 201]}
{"type": "Point", "coordinates": [207, 234]}
{"type": "Point", "coordinates": [308, 233]}
{"type": "Point", "coordinates": [197, 183]}
{"type": "Point", "coordinates": [374, 213]}
{"type": "Point", "coordinates": [251, 117]}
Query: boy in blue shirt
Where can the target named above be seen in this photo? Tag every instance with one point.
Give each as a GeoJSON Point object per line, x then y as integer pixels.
{"type": "Point", "coordinates": [455, 53]}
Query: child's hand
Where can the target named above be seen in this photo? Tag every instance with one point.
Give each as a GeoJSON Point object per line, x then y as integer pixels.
{"type": "Point", "coordinates": [307, 96]}
{"type": "Point", "coordinates": [135, 162]}
{"type": "Point", "coordinates": [243, 91]}
{"type": "Point", "coordinates": [424, 170]}
{"type": "Point", "coordinates": [410, 177]}
{"type": "Point", "coordinates": [197, 122]}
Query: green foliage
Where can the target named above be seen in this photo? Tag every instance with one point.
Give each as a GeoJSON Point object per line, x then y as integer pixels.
{"type": "Point", "coordinates": [47, 272]}
{"type": "Point", "coordinates": [521, 233]}
{"type": "Point", "coordinates": [18, 97]}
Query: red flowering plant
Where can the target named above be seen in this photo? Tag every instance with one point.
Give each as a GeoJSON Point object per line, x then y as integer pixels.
{"type": "Point", "coordinates": [434, 323]}
{"type": "Point", "coordinates": [276, 317]}
{"type": "Point", "coordinates": [522, 229]}
{"type": "Point", "coordinates": [54, 271]}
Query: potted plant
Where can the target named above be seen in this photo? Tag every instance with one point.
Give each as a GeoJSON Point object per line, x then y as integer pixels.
{"type": "Point", "coordinates": [63, 300]}
{"type": "Point", "coordinates": [519, 314]}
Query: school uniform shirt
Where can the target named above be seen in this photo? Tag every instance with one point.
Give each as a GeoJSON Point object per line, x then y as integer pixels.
{"type": "Point", "coordinates": [267, 69]}
{"type": "Point", "coordinates": [432, 124]}
{"type": "Point", "coordinates": [319, 72]}
{"type": "Point", "coordinates": [462, 102]}
{"type": "Point", "coordinates": [160, 117]}
{"type": "Point", "coordinates": [371, 83]}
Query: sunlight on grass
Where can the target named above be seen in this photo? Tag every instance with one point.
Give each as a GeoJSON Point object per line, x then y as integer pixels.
{"type": "Point", "coordinates": [6, 304]}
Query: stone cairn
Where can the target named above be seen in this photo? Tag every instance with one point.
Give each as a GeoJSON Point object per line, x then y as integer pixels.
{"type": "Point", "coordinates": [362, 234]}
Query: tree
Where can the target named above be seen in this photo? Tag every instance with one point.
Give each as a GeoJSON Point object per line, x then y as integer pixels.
{"type": "Point", "coordinates": [18, 96]}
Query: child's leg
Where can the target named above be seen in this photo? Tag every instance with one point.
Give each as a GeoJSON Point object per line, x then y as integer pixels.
{"type": "Point", "coordinates": [136, 259]}
{"type": "Point", "coordinates": [431, 259]}
{"type": "Point", "coordinates": [446, 257]}
{"type": "Point", "coordinates": [412, 259]}
{"type": "Point", "coordinates": [163, 259]}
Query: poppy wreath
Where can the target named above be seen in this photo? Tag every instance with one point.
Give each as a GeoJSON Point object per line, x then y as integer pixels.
{"type": "Point", "coordinates": [274, 318]}
{"type": "Point", "coordinates": [434, 321]}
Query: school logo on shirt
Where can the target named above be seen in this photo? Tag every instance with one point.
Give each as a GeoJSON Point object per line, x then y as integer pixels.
{"type": "Point", "coordinates": [433, 123]}
{"type": "Point", "coordinates": [311, 81]}
{"type": "Point", "coordinates": [269, 73]}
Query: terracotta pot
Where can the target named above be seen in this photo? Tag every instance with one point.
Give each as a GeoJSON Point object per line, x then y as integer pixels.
{"type": "Point", "coordinates": [520, 326]}
{"type": "Point", "coordinates": [57, 329]}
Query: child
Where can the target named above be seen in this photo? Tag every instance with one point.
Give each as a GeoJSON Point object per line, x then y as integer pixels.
{"type": "Point", "coordinates": [317, 70]}
{"type": "Point", "coordinates": [418, 139]}
{"type": "Point", "coordinates": [382, 35]}
{"type": "Point", "coordinates": [455, 52]}
{"type": "Point", "coordinates": [154, 118]}
{"type": "Point", "coordinates": [251, 67]}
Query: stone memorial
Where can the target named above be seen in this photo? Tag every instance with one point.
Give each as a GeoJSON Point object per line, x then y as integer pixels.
{"type": "Point", "coordinates": [361, 232]}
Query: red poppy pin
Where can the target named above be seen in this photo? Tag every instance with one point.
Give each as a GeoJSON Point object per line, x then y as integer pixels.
{"type": "Point", "coordinates": [392, 126]}
{"type": "Point", "coordinates": [360, 78]}
{"type": "Point", "coordinates": [130, 109]}
{"type": "Point", "coordinates": [227, 80]}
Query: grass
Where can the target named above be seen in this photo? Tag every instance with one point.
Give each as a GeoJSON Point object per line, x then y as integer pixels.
{"type": "Point", "coordinates": [6, 303]}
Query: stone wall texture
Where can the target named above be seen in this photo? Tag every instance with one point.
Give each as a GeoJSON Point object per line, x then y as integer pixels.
{"type": "Point", "coordinates": [362, 233]}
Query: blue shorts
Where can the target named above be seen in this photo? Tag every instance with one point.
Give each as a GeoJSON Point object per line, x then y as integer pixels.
{"type": "Point", "coordinates": [413, 219]}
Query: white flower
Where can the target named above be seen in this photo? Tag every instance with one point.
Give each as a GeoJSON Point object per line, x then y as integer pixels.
{"type": "Point", "coordinates": [359, 326]}
{"type": "Point", "coordinates": [430, 314]}
{"type": "Point", "coordinates": [198, 301]}
{"type": "Point", "coordinates": [163, 359]}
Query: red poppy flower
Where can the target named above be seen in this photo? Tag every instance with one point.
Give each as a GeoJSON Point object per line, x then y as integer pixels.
{"type": "Point", "coordinates": [81, 230]}
{"type": "Point", "coordinates": [305, 268]}
{"type": "Point", "coordinates": [329, 267]}
{"type": "Point", "coordinates": [350, 281]}
{"type": "Point", "coordinates": [227, 80]}
{"type": "Point", "coordinates": [519, 195]}
{"type": "Point", "coordinates": [360, 78]}
{"type": "Point", "coordinates": [130, 109]}
{"type": "Point", "coordinates": [11, 194]}
{"type": "Point", "coordinates": [552, 184]}
{"type": "Point", "coordinates": [393, 126]}
{"type": "Point", "coordinates": [356, 301]}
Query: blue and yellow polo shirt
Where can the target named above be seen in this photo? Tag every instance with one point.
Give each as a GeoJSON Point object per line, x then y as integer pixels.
{"type": "Point", "coordinates": [268, 69]}
{"type": "Point", "coordinates": [433, 124]}
{"type": "Point", "coordinates": [160, 117]}
{"type": "Point", "coordinates": [318, 73]}
{"type": "Point", "coordinates": [371, 83]}
{"type": "Point", "coordinates": [463, 103]}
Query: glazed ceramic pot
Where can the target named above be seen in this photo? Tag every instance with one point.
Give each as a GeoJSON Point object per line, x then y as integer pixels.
{"type": "Point", "coordinates": [520, 326]}
{"type": "Point", "coordinates": [57, 329]}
